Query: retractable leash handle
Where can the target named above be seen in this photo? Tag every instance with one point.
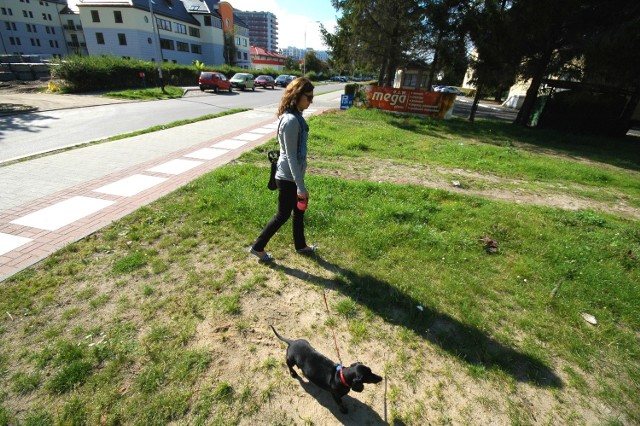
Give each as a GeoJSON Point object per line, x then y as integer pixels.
{"type": "Point", "coordinates": [303, 203]}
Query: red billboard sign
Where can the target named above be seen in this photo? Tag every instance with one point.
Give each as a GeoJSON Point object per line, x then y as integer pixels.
{"type": "Point", "coordinates": [411, 101]}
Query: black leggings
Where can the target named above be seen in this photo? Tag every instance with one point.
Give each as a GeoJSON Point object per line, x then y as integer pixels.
{"type": "Point", "coordinates": [287, 202]}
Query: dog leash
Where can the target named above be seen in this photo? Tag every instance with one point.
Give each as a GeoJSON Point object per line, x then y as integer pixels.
{"type": "Point", "coordinates": [335, 342]}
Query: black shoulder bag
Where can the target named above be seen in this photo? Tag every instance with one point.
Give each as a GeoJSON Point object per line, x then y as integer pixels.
{"type": "Point", "coordinates": [273, 159]}
{"type": "Point", "coordinates": [275, 154]}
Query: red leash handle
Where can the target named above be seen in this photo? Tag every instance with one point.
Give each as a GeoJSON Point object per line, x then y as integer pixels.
{"type": "Point", "coordinates": [335, 342]}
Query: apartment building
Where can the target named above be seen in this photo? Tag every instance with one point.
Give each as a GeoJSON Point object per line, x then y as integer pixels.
{"type": "Point", "coordinates": [238, 32]}
{"type": "Point", "coordinates": [32, 27]}
{"type": "Point", "coordinates": [263, 29]}
{"type": "Point", "coordinates": [178, 31]}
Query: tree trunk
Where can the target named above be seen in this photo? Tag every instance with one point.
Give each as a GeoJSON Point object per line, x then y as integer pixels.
{"type": "Point", "coordinates": [524, 115]}
{"type": "Point", "coordinates": [434, 64]}
{"type": "Point", "coordinates": [476, 100]}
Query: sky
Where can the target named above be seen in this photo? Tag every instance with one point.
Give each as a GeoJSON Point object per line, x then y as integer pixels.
{"type": "Point", "coordinates": [296, 19]}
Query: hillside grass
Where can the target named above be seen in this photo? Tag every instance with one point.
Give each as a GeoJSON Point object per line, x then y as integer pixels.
{"type": "Point", "coordinates": [107, 329]}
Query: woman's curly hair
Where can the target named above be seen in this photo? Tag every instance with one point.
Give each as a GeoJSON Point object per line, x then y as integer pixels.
{"type": "Point", "coordinates": [292, 94]}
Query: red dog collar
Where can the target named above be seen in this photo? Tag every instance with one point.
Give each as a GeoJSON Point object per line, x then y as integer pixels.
{"type": "Point", "coordinates": [342, 379]}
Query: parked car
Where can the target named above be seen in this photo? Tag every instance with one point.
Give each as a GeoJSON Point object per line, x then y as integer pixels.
{"type": "Point", "coordinates": [243, 81]}
{"type": "Point", "coordinates": [339, 79]}
{"type": "Point", "coordinates": [265, 81]}
{"type": "Point", "coordinates": [213, 81]}
{"type": "Point", "coordinates": [283, 80]}
{"type": "Point", "coordinates": [448, 89]}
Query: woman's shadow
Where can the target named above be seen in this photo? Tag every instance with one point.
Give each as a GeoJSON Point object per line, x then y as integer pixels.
{"type": "Point", "coordinates": [467, 343]}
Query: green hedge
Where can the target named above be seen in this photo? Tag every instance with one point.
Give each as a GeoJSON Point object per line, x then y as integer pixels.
{"type": "Point", "coordinates": [104, 73]}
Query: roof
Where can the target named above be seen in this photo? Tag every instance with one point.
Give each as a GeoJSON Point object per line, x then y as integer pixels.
{"type": "Point", "coordinates": [170, 8]}
{"type": "Point", "coordinates": [239, 22]}
{"type": "Point", "coordinates": [259, 51]}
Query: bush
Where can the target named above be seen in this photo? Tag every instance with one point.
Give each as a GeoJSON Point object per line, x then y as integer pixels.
{"type": "Point", "coordinates": [108, 73]}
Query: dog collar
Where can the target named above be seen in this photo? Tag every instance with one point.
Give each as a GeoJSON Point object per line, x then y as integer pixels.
{"type": "Point", "coordinates": [342, 379]}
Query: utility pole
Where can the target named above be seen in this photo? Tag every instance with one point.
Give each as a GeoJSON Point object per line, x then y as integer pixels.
{"type": "Point", "coordinates": [156, 30]}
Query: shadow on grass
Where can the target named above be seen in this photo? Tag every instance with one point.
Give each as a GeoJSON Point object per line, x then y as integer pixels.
{"type": "Point", "coordinates": [359, 413]}
{"type": "Point", "coordinates": [621, 152]}
{"type": "Point", "coordinates": [467, 343]}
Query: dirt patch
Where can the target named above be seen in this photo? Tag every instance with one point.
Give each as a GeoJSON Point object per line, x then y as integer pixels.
{"type": "Point", "coordinates": [483, 185]}
{"type": "Point", "coordinates": [18, 86]}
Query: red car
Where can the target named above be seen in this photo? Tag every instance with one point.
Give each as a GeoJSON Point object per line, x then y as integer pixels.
{"type": "Point", "coordinates": [213, 81]}
{"type": "Point", "coordinates": [265, 81]}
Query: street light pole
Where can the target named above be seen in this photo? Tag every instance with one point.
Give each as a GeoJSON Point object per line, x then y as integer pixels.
{"type": "Point", "coordinates": [304, 53]}
{"type": "Point", "coordinates": [156, 30]}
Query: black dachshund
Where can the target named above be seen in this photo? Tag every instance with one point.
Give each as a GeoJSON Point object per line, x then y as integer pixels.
{"type": "Point", "coordinates": [325, 373]}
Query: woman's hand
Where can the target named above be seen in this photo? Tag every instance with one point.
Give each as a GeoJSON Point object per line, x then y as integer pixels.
{"type": "Point", "coordinates": [303, 195]}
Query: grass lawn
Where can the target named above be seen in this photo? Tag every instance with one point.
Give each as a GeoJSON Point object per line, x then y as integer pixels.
{"type": "Point", "coordinates": [163, 316]}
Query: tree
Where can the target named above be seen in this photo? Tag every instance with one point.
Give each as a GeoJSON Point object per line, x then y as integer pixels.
{"type": "Point", "coordinates": [230, 50]}
{"type": "Point", "coordinates": [313, 63]}
{"type": "Point", "coordinates": [442, 39]}
{"type": "Point", "coordinates": [494, 62]}
{"type": "Point", "coordinates": [374, 34]}
{"type": "Point", "coordinates": [291, 63]}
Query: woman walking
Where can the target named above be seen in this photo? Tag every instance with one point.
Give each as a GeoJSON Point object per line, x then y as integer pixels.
{"type": "Point", "coordinates": [292, 165]}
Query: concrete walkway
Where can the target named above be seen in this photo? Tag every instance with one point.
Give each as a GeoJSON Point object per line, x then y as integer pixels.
{"type": "Point", "coordinates": [49, 202]}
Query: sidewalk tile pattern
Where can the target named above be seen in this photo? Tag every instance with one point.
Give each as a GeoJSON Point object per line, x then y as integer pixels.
{"type": "Point", "coordinates": [131, 185]}
{"type": "Point", "coordinates": [63, 213]}
{"type": "Point", "coordinates": [82, 205]}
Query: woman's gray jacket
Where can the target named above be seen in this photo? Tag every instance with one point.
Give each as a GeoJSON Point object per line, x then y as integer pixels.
{"type": "Point", "coordinates": [292, 136]}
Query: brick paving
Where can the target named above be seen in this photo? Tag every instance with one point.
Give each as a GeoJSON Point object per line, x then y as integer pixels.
{"type": "Point", "coordinates": [71, 179]}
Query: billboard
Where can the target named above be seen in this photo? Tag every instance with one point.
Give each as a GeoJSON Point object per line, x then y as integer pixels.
{"type": "Point", "coordinates": [411, 101]}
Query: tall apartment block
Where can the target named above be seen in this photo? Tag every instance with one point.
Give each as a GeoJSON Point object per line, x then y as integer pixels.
{"type": "Point", "coordinates": [263, 29]}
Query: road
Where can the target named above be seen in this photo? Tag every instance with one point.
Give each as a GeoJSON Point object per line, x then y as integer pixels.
{"type": "Point", "coordinates": [24, 135]}
{"type": "Point", "coordinates": [28, 134]}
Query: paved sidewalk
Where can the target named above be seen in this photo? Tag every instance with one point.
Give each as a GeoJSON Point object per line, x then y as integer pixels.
{"type": "Point", "coordinates": [49, 202]}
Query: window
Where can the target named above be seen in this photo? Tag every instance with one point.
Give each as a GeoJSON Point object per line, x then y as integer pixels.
{"type": "Point", "coordinates": [163, 24]}
{"type": "Point", "coordinates": [182, 47]}
{"type": "Point", "coordinates": [196, 48]}
{"type": "Point", "coordinates": [239, 55]}
{"type": "Point", "coordinates": [245, 56]}
{"type": "Point", "coordinates": [12, 41]}
{"type": "Point", "coordinates": [4, 12]}
{"type": "Point", "coordinates": [46, 28]}
{"type": "Point", "coordinates": [207, 19]}
{"type": "Point", "coordinates": [35, 42]}
{"type": "Point", "coordinates": [237, 41]}
{"type": "Point", "coordinates": [244, 42]}
{"type": "Point", "coordinates": [166, 44]}
{"type": "Point", "coordinates": [95, 16]}
{"type": "Point", "coordinates": [50, 43]}
{"type": "Point", "coordinates": [99, 38]}
{"type": "Point", "coordinates": [179, 28]}
{"type": "Point", "coordinates": [194, 32]}
{"type": "Point", "coordinates": [117, 16]}
{"type": "Point", "coordinates": [122, 39]}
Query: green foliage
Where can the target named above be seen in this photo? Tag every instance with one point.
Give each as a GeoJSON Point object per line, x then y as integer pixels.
{"type": "Point", "coordinates": [130, 262]}
{"type": "Point", "coordinates": [405, 263]}
{"type": "Point", "coordinates": [110, 73]}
